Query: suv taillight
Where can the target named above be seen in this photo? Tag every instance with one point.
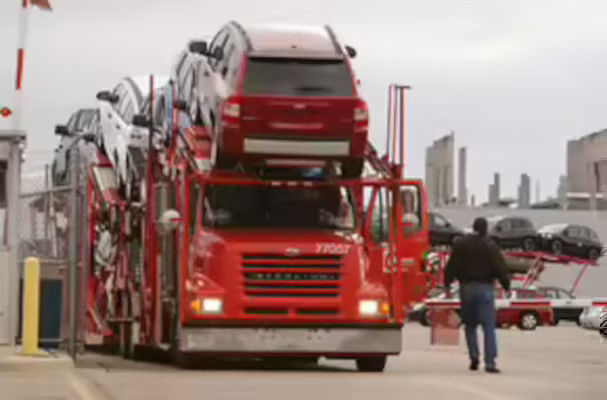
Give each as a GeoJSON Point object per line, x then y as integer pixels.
{"type": "Point", "coordinates": [231, 108]}
{"type": "Point", "coordinates": [361, 116]}
{"type": "Point", "coordinates": [360, 112]}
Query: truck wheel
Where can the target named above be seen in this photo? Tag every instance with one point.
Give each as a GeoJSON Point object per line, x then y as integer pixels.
{"type": "Point", "coordinates": [529, 321]}
{"type": "Point", "coordinates": [125, 341]}
{"type": "Point", "coordinates": [183, 360]}
{"type": "Point", "coordinates": [371, 364]}
{"type": "Point", "coordinates": [352, 169]}
{"type": "Point", "coordinates": [423, 318]}
{"type": "Point", "coordinates": [223, 161]}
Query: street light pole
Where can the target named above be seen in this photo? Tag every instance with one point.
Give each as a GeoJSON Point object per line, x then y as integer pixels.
{"type": "Point", "coordinates": [393, 103]}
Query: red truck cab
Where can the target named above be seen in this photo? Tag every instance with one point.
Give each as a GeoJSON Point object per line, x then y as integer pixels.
{"type": "Point", "coordinates": [282, 268]}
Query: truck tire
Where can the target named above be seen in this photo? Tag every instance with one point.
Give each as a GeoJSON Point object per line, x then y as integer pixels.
{"type": "Point", "coordinates": [352, 169]}
{"type": "Point", "coordinates": [223, 161]}
{"type": "Point", "coordinates": [423, 318]}
{"type": "Point", "coordinates": [371, 364]}
{"type": "Point", "coordinates": [529, 321]}
{"type": "Point", "coordinates": [183, 360]}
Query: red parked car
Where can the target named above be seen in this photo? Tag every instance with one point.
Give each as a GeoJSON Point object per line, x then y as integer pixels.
{"type": "Point", "coordinates": [526, 308]}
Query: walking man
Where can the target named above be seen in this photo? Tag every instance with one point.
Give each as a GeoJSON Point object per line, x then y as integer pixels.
{"type": "Point", "coordinates": [476, 262]}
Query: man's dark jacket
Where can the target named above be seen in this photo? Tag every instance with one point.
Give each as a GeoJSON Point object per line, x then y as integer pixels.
{"type": "Point", "coordinates": [477, 259]}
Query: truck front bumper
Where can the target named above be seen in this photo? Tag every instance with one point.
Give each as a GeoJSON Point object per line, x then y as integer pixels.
{"type": "Point", "coordinates": [325, 341]}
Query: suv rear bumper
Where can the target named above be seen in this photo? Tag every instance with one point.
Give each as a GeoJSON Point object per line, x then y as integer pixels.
{"type": "Point", "coordinates": [326, 341]}
{"type": "Point", "coordinates": [286, 147]}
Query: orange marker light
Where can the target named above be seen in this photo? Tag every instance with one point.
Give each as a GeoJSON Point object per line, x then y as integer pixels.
{"type": "Point", "coordinates": [196, 306]}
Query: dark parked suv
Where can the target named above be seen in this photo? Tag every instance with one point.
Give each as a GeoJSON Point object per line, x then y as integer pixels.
{"type": "Point", "coordinates": [513, 232]}
{"type": "Point", "coordinates": [571, 240]}
{"type": "Point", "coordinates": [442, 231]}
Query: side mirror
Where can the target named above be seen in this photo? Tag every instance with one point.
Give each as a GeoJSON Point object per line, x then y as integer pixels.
{"type": "Point", "coordinates": [351, 51]}
{"type": "Point", "coordinates": [89, 137]}
{"type": "Point", "coordinates": [141, 121]}
{"type": "Point", "coordinates": [180, 105]}
{"type": "Point", "coordinates": [199, 47]}
{"type": "Point", "coordinates": [169, 221]}
{"type": "Point", "coordinates": [218, 54]}
{"type": "Point", "coordinates": [62, 130]}
{"type": "Point", "coordinates": [106, 95]}
{"type": "Point", "coordinates": [448, 225]}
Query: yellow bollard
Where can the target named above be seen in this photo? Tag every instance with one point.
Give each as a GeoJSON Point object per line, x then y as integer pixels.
{"type": "Point", "coordinates": [31, 307]}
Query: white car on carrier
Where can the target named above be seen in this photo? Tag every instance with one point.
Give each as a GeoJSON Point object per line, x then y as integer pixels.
{"type": "Point", "coordinates": [124, 143]}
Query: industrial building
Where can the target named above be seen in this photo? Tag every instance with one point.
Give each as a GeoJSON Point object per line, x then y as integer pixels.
{"type": "Point", "coordinates": [440, 173]}
{"type": "Point", "coordinates": [524, 192]}
{"type": "Point", "coordinates": [587, 172]}
{"type": "Point", "coordinates": [462, 190]}
{"type": "Point", "coordinates": [494, 190]}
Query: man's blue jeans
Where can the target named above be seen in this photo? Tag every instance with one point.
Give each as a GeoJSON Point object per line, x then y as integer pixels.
{"type": "Point", "coordinates": [478, 308]}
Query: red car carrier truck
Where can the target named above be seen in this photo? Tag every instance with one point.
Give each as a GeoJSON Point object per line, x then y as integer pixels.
{"type": "Point", "coordinates": [265, 261]}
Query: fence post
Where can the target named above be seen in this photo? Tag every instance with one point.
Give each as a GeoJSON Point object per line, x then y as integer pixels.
{"type": "Point", "coordinates": [73, 254]}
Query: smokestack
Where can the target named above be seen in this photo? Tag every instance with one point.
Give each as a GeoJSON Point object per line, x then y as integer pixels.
{"type": "Point", "coordinates": [461, 179]}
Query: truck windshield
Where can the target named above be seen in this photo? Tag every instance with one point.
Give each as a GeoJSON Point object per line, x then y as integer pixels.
{"type": "Point", "coordinates": [298, 77]}
{"type": "Point", "coordinates": [232, 206]}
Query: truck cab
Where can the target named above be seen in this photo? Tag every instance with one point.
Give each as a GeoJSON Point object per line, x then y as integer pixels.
{"type": "Point", "coordinates": [284, 266]}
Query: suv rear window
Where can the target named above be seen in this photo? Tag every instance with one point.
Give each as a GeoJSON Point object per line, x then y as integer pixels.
{"type": "Point", "coordinates": [298, 77]}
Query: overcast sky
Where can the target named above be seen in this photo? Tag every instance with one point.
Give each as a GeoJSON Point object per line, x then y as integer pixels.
{"type": "Point", "coordinates": [515, 79]}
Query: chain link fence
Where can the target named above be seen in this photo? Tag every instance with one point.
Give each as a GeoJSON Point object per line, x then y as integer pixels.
{"type": "Point", "coordinates": [53, 228]}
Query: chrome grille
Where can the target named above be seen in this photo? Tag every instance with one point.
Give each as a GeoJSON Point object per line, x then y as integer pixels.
{"type": "Point", "coordinates": [275, 275]}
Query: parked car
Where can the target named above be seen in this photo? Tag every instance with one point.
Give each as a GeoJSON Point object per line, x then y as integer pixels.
{"type": "Point", "coordinates": [83, 121]}
{"type": "Point", "coordinates": [122, 141]}
{"type": "Point", "coordinates": [565, 305]}
{"type": "Point", "coordinates": [513, 232]}
{"type": "Point", "coordinates": [525, 308]}
{"type": "Point", "coordinates": [590, 318]}
{"type": "Point", "coordinates": [571, 240]}
{"type": "Point", "coordinates": [442, 231]}
{"type": "Point", "coordinates": [287, 92]}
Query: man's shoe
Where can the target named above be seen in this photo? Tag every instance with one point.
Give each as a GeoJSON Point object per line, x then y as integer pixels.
{"type": "Point", "coordinates": [473, 365]}
{"type": "Point", "coordinates": [492, 370]}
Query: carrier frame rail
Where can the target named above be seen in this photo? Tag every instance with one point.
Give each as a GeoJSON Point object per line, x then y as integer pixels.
{"type": "Point", "coordinates": [539, 260]}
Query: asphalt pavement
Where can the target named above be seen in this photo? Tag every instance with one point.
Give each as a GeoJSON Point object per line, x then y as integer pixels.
{"type": "Point", "coordinates": [554, 363]}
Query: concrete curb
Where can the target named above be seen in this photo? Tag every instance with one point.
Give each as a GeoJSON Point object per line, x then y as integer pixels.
{"type": "Point", "coordinates": [45, 361]}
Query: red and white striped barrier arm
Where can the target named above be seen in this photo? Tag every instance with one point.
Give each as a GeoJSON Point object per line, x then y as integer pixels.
{"type": "Point", "coordinates": [21, 41]}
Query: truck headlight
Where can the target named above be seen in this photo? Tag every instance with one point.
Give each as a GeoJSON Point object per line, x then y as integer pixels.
{"type": "Point", "coordinates": [210, 305]}
{"type": "Point", "coordinates": [373, 308]}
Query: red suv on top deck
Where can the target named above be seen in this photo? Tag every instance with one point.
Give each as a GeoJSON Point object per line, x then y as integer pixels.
{"type": "Point", "coordinates": [278, 92]}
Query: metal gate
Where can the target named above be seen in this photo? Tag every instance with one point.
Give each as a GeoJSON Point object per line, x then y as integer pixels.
{"type": "Point", "coordinates": [52, 228]}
